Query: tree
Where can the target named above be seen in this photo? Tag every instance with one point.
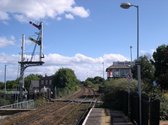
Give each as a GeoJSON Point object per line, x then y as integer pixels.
{"type": "Point", "coordinates": [98, 80]}
{"type": "Point", "coordinates": [65, 77]}
{"type": "Point", "coordinates": [27, 79]}
{"type": "Point", "coordinates": [147, 70]}
{"type": "Point", "coordinates": [1, 85]}
{"type": "Point", "coordinates": [12, 84]}
{"type": "Point", "coordinates": [95, 80]}
{"type": "Point", "coordinates": [91, 80]}
{"type": "Point", "coordinates": [160, 61]}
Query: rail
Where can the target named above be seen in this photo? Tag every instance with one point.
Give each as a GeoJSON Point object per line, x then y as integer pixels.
{"type": "Point", "coordinates": [20, 105]}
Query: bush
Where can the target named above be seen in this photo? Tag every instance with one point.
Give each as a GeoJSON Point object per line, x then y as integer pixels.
{"type": "Point", "coordinates": [4, 102]}
{"type": "Point", "coordinates": [40, 101]}
{"type": "Point", "coordinates": [164, 107]}
{"type": "Point", "coordinates": [65, 78]}
{"type": "Point", "coordinates": [112, 90]}
{"type": "Point", "coordinates": [120, 84]}
{"type": "Point", "coordinates": [65, 82]}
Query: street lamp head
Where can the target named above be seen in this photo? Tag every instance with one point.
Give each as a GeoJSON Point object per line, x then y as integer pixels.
{"type": "Point", "coordinates": [125, 5]}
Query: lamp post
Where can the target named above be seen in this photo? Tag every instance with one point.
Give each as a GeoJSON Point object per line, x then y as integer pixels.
{"type": "Point", "coordinates": [5, 79]}
{"type": "Point", "coordinates": [131, 54]}
{"type": "Point", "coordinates": [103, 69]}
{"type": "Point", "coordinates": [129, 81]}
{"type": "Point", "coordinates": [127, 6]}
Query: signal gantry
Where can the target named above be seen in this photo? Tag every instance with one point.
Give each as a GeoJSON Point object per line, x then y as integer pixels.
{"type": "Point", "coordinates": [24, 63]}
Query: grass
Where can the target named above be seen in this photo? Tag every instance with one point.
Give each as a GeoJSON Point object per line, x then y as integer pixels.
{"type": "Point", "coordinates": [40, 102]}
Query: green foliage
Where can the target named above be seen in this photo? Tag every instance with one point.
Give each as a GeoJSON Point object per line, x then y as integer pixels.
{"type": "Point", "coordinates": [1, 85]}
{"type": "Point", "coordinates": [89, 79]}
{"type": "Point", "coordinates": [88, 83]}
{"type": "Point", "coordinates": [4, 102]}
{"type": "Point", "coordinates": [160, 61]}
{"type": "Point", "coordinates": [163, 81]}
{"type": "Point", "coordinates": [29, 78]}
{"type": "Point", "coordinates": [164, 107]}
{"type": "Point", "coordinates": [64, 92]}
{"type": "Point", "coordinates": [147, 70]}
{"type": "Point", "coordinates": [40, 101]}
{"type": "Point", "coordinates": [112, 91]}
{"type": "Point", "coordinates": [120, 84]}
{"type": "Point", "coordinates": [65, 82]}
{"type": "Point", "coordinates": [96, 80]}
{"type": "Point", "coordinates": [65, 78]}
{"type": "Point", "coordinates": [12, 84]}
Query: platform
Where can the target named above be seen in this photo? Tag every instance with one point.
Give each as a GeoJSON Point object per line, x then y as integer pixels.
{"type": "Point", "coordinates": [98, 116]}
{"type": "Point", "coordinates": [101, 116]}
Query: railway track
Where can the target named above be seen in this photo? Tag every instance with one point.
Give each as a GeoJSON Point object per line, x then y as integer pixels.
{"type": "Point", "coordinates": [55, 113]}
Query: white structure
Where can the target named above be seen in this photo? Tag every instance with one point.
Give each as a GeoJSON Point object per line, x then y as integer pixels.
{"type": "Point", "coordinates": [119, 70]}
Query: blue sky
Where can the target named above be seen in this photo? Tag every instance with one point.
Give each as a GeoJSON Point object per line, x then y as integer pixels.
{"type": "Point", "coordinates": [80, 34]}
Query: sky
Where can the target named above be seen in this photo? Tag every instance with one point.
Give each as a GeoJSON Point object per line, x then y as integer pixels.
{"type": "Point", "coordinates": [84, 35]}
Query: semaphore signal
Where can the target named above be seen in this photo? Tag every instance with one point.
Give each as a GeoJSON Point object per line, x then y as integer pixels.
{"type": "Point", "coordinates": [38, 42]}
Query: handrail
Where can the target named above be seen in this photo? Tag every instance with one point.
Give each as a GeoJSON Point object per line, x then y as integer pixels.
{"type": "Point", "coordinates": [20, 105]}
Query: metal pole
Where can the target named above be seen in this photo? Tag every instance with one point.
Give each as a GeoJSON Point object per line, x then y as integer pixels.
{"type": "Point", "coordinates": [138, 67]}
{"type": "Point", "coordinates": [129, 82]}
{"type": "Point", "coordinates": [41, 45]}
{"type": "Point", "coordinates": [5, 79]}
{"type": "Point", "coordinates": [131, 54]}
{"type": "Point", "coordinates": [103, 70]}
{"type": "Point", "coordinates": [126, 6]}
{"type": "Point", "coordinates": [21, 80]}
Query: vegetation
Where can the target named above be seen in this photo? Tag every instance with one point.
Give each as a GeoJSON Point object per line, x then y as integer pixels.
{"type": "Point", "coordinates": [40, 101]}
{"type": "Point", "coordinates": [94, 82]}
{"type": "Point", "coordinates": [13, 84]}
{"type": "Point", "coordinates": [29, 78]}
{"type": "Point", "coordinates": [1, 85]}
{"type": "Point", "coordinates": [65, 81]}
{"type": "Point", "coordinates": [164, 107]}
{"type": "Point", "coordinates": [160, 61]}
{"type": "Point", "coordinates": [112, 89]}
{"type": "Point", "coordinates": [4, 102]}
{"type": "Point", "coordinates": [155, 69]}
{"type": "Point", "coordinates": [147, 70]}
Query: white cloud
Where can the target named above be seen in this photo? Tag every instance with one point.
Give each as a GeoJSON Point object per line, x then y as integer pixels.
{"type": "Point", "coordinates": [4, 41]}
{"type": "Point", "coordinates": [3, 16]}
{"type": "Point", "coordinates": [80, 11]}
{"type": "Point", "coordinates": [69, 16]}
{"type": "Point", "coordinates": [83, 66]}
{"type": "Point", "coordinates": [40, 9]}
{"type": "Point", "coordinates": [59, 18]}
{"type": "Point", "coordinates": [147, 53]}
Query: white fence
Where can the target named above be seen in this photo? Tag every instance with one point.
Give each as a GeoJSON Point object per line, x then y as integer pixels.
{"type": "Point", "coordinates": [20, 105]}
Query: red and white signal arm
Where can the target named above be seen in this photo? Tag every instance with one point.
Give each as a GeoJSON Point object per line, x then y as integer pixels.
{"type": "Point", "coordinates": [129, 76]}
{"type": "Point", "coordinates": [110, 74]}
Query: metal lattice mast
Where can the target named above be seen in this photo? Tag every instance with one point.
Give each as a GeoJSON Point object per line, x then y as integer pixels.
{"type": "Point", "coordinates": [27, 63]}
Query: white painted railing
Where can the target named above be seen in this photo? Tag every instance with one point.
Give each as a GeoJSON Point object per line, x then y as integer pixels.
{"type": "Point", "coordinates": [20, 105]}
